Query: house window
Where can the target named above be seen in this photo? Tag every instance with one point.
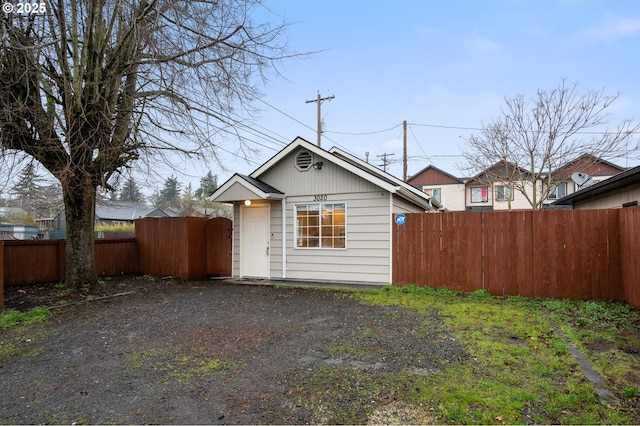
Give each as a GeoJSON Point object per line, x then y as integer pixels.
{"type": "Point", "coordinates": [321, 225]}
{"type": "Point", "coordinates": [436, 193]}
{"type": "Point", "coordinates": [480, 194]}
{"type": "Point", "coordinates": [503, 193]}
{"type": "Point", "coordinates": [558, 191]}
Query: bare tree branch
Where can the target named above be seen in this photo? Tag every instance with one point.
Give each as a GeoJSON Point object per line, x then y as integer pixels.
{"type": "Point", "coordinates": [537, 136]}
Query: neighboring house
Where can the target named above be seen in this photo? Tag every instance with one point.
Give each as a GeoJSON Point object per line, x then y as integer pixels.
{"type": "Point", "coordinates": [445, 188]}
{"type": "Point", "coordinates": [15, 231]}
{"type": "Point", "coordinates": [317, 215]}
{"type": "Point", "coordinates": [493, 189]}
{"type": "Point", "coordinates": [109, 213]}
{"type": "Point", "coordinates": [621, 190]}
{"type": "Point", "coordinates": [594, 167]}
{"type": "Point", "coordinates": [12, 231]}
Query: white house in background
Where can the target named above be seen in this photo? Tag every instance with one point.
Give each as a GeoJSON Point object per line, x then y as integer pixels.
{"type": "Point", "coordinates": [447, 189]}
{"type": "Point", "coordinates": [317, 215]}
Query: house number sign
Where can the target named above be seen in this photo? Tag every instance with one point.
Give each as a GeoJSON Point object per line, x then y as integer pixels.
{"type": "Point", "coordinates": [320, 197]}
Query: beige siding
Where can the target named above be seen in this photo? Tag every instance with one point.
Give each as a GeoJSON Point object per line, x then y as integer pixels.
{"type": "Point", "coordinates": [400, 205]}
{"type": "Point", "coordinates": [452, 195]}
{"type": "Point", "coordinates": [366, 258]}
{"type": "Point", "coordinates": [330, 179]}
{"type": "Point", "coordinates": [368, 224]}
{"type": "Point", "coordinates": [615, 199]}
{"type": "Point", "coordinates": [236, 192]}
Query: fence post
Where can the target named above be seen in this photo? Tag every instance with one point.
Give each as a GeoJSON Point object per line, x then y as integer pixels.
{"type": "Point", "coordinates": [61, 260]}
{"type": "Point", "coordinates": [1, 275]}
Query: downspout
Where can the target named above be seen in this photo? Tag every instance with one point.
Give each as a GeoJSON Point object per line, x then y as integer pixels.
{"type": "Point", "coordinates": [284, 237]}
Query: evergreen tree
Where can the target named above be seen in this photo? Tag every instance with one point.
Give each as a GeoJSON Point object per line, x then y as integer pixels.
{"type": "Point", "coordinates": [131, 192]}
{"type": "Point", "coordinates": [169, 195]}
{"type": "Point", "coordinates": [189, 202]}
{"type": "Point", "coordinates": [208, 184]}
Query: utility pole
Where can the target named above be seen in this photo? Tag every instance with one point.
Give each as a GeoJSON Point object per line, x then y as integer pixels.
{"type": "Point", "coordinates": [385, 162]}
{"type": "Point", "coordinates": [319, 100]}
{"type": "Point", "coordinates": [404, 151]}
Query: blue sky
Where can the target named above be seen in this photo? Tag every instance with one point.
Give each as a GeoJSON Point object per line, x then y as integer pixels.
{"type": "Point", "coordinates": [444, 66]}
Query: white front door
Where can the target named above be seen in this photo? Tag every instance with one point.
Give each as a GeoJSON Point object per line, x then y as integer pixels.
{"type": "Point", "coordinates": [255, 241]}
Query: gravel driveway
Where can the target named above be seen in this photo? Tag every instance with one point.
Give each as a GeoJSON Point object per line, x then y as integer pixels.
{"type": "Point", "coordinates": [205, 353]}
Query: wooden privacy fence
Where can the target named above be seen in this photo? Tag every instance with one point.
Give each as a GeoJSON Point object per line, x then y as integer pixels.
{"type": "Point", "coordinates": [581, 254]}
{"type": "Point", "coordinates": [185, 247]}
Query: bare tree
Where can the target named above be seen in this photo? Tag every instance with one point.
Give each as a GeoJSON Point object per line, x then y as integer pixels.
{"type": "Point", "coordinates": [88, 87]}
{"type": "Point", "coordinates": [534, 138]}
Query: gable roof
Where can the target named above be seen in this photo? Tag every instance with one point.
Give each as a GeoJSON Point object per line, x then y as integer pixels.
{"type": "Point", "coordinates": [589, 164]}
{"type": "Point", "coordinates": [243, 186]}
{"type": "Point", "coordinates": [500, 166]}
{"type": "Point", "coordinates": [124, 211]}
{"type": "Point", "coordinates": [621, 180]}
{"type": "Point", "coordinates": [429, 176]}
{"type": "Point", "coordinates": [404, 189]}
{"type": "Point", "coordinates": [252, 183]}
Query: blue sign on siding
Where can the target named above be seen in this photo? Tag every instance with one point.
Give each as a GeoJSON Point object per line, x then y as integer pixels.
{"type": "Point", "coordinates": [401, 219]}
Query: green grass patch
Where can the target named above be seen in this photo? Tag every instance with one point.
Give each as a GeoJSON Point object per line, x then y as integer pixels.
{"type": "Point", "coordinates": [11, 317]}
{"type": "Point", "coordinates": [521, 371]}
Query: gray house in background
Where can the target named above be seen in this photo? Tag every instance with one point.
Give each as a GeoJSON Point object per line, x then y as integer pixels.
{"type": "Point", "coordinates": [317, 215]}
{"type": "Point", "coordinates": [109, 213]}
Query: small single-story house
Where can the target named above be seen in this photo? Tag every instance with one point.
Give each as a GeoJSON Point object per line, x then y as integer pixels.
{"type": "Point", "coordinates": [317, 215]}
{"type": "Point", "coordinates": [621, 190]}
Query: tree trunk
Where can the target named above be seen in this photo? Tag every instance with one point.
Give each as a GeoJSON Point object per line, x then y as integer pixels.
{"type": "Point", "coordinates": [80, 201]}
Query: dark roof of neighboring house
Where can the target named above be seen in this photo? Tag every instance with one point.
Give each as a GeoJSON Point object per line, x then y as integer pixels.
{"type": "Point", "coordinates": [621, 180]}
{"type": "Point", "coordinates": [590, 164]}
{"type": "Point", "coordinates": [482, 176]}
{"type": "Point", "coordinates": [123, 211]}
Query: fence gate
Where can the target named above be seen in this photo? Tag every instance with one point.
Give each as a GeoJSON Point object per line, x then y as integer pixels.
{"type": "Point", "coordinates": [219, 247]}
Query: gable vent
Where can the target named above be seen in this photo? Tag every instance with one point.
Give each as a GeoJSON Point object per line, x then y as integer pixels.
{"type": "Point", "coordinates": [304, 160]}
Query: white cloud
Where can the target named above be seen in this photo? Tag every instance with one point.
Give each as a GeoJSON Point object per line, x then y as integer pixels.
{"type": "Point", "coordinates": [615, 28]}
{"type": "Point", "coordinates": [485, 45]}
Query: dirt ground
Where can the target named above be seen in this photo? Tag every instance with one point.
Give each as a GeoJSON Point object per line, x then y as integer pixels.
{"type": "Point", "coordinates": [205, 353]}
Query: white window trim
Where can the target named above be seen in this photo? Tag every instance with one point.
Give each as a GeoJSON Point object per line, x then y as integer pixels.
{"type": "Point", "coordinates": [504, 199]}
{"type": "Point", "coordinates": [295, 226]}
{"type": "Point", "coordinates": [553, 191]}
{"type": "Point", "coordinates": [481, 201]}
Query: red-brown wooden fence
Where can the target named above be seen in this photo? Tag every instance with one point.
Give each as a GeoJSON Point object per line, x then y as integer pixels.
{"type": "Point", "coordinates": [630, 250]}
{"type": "Point", "coordinates": [187, 248]}
{"type": "Point", "coordinates": [581, 254]}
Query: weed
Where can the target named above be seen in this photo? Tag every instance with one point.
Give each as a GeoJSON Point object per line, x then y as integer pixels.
{"type": "Point", "coordinates": [480, 294]}
{"type": "Point", "coordinates": [630, 392]}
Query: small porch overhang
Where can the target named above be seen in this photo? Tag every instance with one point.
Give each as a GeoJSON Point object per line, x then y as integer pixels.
{"type": "Point", "coordinates": [241, 187]}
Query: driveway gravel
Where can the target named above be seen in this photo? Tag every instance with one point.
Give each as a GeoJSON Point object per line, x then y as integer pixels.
{"type": "Point", "coordinates": [210, 353]}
